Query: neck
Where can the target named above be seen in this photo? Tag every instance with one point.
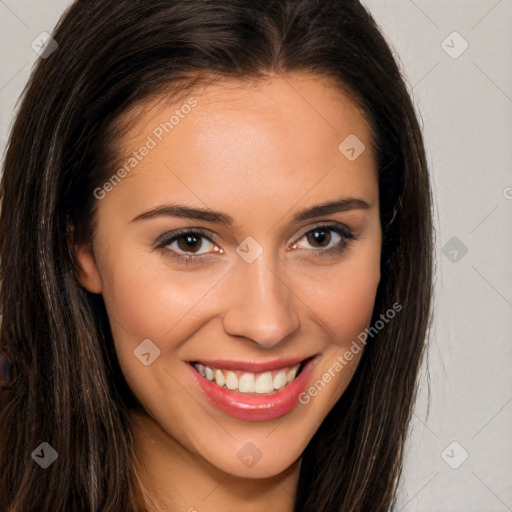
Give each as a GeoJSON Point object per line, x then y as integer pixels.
{"type": "Point", "coordinates": [174, 478]}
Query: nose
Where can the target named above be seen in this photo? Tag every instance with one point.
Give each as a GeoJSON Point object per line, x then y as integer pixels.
{"type": "Point", "coordinates": [261, 304]}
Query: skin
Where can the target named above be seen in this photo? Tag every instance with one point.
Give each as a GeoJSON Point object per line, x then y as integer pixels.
{"type": "Point", "coordinates": [259, 153]}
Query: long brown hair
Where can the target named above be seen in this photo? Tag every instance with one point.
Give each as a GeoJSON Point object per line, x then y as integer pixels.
{"type": "Point", "coordinates": [70, 391]}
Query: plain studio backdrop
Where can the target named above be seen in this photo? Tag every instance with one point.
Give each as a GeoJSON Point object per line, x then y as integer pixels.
{"type": "Point", "coordinates": [456, 57]}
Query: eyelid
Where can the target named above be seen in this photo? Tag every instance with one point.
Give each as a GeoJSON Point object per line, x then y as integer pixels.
{"type": "Point", "coordinates": [343, 228]}
{"type": "Point", "coordinates": [171, 235]}
{"type": "Point", "coordinates": [165, 239]}
{"type": "Point", "coordinates": [346, 231]}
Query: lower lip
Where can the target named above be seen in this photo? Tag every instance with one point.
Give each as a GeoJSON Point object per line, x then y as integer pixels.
{"type": "Point", "coordinates": [256, 408]}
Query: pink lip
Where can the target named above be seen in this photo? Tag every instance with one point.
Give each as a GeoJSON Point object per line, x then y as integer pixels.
{"type": "Point", "coordinates": [256, 408]}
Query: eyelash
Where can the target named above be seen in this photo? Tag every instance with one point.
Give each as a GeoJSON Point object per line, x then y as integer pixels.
{"type": "Point", "coordinates": [166, 239]}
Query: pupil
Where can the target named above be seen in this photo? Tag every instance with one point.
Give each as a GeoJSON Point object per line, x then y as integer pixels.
{"type": "Point", "coordinates": [191, 242]}
{"type": "Point", "coordinates": [319, 236]}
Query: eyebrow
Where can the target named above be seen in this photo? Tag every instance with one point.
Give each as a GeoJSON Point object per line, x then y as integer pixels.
{"type": "Point", "coordinates": [207, 215]}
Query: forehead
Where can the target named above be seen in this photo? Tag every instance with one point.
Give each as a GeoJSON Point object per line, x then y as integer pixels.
{"type": "Point", "coordinates": [279, 138]}
{"type": "Point", "coordinates": [296, 96]}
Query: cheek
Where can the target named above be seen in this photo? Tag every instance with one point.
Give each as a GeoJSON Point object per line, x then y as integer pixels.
{"type": "Point", "coordinates": [344, 307]}
{"type": "Point", "coordinates": [352, 306]}
{"type": "Point", "coordinates": [148, 300]}
{"type": "Point", "coordinates": [342, 296]}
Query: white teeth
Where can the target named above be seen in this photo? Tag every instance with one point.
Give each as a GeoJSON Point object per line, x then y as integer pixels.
{"type": "Point", "coordinates": [247, 384]}
{"type": "Point", "coordinates": [209, 372]}
{"type": "Point", "coordinates": [231, 381]}
{"type": "Point", "coordinates": [280, 380]}
{"type": "Point", "coordinates": [200, 369]}
{"type": "Point", "coordinates": [219, 378]}
{"type": "Point", "coordinates": [292, 373]}
{"type": "Point", "coordinates": [264, 383]}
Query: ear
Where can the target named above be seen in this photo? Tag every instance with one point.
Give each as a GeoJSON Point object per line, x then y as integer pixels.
{"type": "Point", "coordinates": [88, 275]}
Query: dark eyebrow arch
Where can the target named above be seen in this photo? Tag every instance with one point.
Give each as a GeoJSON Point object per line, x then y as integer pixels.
{"type": "Point", "coordinates": [207, 215]}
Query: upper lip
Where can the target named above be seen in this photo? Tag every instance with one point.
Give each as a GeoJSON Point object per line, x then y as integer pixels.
{"type": "Point", "coordinates": [251, 366]}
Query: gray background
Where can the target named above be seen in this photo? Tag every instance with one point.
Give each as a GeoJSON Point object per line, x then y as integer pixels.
{"type": "Point", "coordinates": [465, 103]}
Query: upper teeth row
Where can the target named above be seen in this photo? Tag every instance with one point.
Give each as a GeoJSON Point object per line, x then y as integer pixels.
{"type": "Point", "coordinates": [249, 382]}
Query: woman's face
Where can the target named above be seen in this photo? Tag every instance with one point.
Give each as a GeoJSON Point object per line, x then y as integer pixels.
{"type": "Point", "coordinates": [214, 247]}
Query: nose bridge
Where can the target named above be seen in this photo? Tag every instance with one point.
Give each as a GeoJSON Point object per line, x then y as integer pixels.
{"type": "Point", "coordinates": [261, 305]}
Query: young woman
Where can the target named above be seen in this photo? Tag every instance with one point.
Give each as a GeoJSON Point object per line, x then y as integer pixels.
{"type": "Point", "coordinates": [216, 262]}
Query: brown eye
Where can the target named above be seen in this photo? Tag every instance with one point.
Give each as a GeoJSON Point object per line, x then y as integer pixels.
{"type": "Point", "coordinates": [189, 242]}
{"type": "Point", "coordinates": [324, 240]}
{"type": "Point", "coordinates": [187, 246]}
{"type": "Point", "coordinates": [319, 237]}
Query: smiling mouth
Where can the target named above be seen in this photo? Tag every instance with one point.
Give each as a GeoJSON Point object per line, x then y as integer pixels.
{"type": "Point", "coordinates": [249, 383]}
